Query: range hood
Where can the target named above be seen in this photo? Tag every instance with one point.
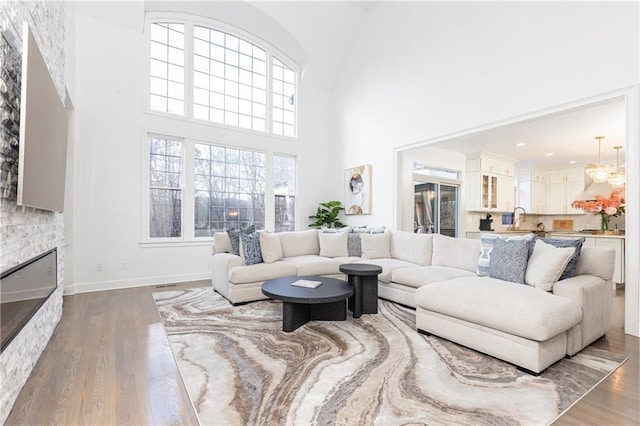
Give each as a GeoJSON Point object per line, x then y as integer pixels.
{"type": "Point", "coordinates": [602, 188]}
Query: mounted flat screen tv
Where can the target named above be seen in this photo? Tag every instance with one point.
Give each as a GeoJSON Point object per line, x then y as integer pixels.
{"type": "Point", "coordinates": [42, 158]}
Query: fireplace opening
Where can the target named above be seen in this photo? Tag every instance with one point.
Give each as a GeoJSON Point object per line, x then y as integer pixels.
{"type": "Point", "coordinates": [23, 290]}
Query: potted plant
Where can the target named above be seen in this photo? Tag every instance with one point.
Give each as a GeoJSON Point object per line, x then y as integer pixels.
{"type": "Point", "coordinates": [327, 215]}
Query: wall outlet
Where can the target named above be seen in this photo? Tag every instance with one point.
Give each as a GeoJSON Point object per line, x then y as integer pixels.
{"type": "Point", "coordinates": [99, 267]}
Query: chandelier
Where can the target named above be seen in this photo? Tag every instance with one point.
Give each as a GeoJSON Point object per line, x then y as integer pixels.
{"type": "Point", "coordinates": [618, 178]}
{"type": "Point", "coordinates": [599, 172]}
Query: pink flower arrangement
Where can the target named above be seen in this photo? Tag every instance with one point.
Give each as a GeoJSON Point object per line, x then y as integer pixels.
{"type": "Point", "coordinates": [607, 208]}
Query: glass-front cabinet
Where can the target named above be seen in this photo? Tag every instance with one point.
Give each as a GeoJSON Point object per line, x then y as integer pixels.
{"type": "Point", "coordinates": [489, 192]}
{"type": "Point", "coordinates": [490, 183]}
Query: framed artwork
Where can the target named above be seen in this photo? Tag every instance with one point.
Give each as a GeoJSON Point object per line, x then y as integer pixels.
{"type": "Point", "coordinates": [358, 190]}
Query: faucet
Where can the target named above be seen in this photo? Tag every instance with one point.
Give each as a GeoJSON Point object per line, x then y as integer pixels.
{"type": "Point", "coordinates": [513, 219]}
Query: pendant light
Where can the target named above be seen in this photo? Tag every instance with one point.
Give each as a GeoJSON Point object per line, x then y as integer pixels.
{"type": "Point", "coordinates": [618, 178]}
{"type": "Point", "coordinates": [599, 172]}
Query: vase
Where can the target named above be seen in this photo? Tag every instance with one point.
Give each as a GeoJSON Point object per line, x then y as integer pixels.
{"type": "Point", "coordinates": [604, 222]}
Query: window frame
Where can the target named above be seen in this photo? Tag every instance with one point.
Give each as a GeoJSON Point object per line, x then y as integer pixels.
{"type": "Point", "coordinates": [146, 167]}
{"type": "Point", "coordinates": [190, 21]}
{"type": "Point", "coordinates": [188, 220]}
{"type": "Point", "coordinates": [295, 192]}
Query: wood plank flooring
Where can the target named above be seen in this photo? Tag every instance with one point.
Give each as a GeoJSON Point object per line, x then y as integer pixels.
{"type": "Point", "coordinates": [109, 363]}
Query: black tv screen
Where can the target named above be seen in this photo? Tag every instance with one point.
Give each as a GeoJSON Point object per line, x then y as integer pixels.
{"type": "Point", "coordinates": [23, 289]}
{"type": "Point", "coordinates": [42, 158]}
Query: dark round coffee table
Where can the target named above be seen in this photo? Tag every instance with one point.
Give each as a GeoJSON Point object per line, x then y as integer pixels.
{"type": "Point", "coordinates": [301, 305]}
{"type": "Point", "coordinates": [364, 279]}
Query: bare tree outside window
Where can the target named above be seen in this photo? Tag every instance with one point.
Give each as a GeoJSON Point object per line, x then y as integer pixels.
{"type": "Point", "coordinates": [284, 179]}
{"type": "Point", "coordinates": [229, 189]}
{"type": "Point", "coordinates": [165, 188]}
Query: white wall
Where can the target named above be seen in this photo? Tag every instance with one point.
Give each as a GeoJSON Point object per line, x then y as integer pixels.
{"type": "Point", "coordinates": [420, 71]}
{"type": "Point", "coordinates": [110, 129]}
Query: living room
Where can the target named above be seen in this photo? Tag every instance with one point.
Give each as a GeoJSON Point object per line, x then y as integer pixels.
{"type": "Point", "coordinates": [436, 70]}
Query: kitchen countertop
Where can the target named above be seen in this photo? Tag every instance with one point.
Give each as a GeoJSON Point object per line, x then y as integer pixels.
{"type": "Point", "coordinates": [551, 233]}
{"type": "Point", "coordinates": [586, 234]}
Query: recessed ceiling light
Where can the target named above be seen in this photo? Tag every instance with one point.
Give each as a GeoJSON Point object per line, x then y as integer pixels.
{"type": "Point", "coordinates": [549, 154]}
{"type": "Point", "coordinates": [572, 162]}
{"type": "Point", "coordinates": [520, 145]}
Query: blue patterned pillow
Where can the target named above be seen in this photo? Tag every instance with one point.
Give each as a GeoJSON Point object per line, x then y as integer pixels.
{"type": "Point", "coordinates": [576, 243]}
{"type": "Point", "coordinates": [509, 260]}
{"type": "Point", "coordinates": [234, 236]}
{"type": "Point", "coordinates": [251, 251]}
{"type": "Point", "coordinates": [487, 241]}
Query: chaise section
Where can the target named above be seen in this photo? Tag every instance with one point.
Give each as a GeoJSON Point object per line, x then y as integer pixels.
{"type": "Point", "coordinates": [513, 322]}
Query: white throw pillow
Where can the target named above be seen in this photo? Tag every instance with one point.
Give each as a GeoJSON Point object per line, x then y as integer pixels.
{"type": "Point", "coordinates": [333, 245]}
{"type": "Point", "coordinates": [376, 246]}
{"type": "Point", "coordinates": [546, 265]}
{"type": "Point", "coordinates": [270, 247]}
{"type": "Point", "coordinates": [299, 243]}
{"type": "Point", "coordinates": [222, 242]}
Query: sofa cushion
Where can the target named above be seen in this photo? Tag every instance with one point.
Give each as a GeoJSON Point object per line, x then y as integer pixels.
{"type": "Point", "coordinates": [509, 260]}
{"type": "Point", "coordinates": [515, 309]}
{"type": "Point", "coordinates": [260, 272]}
{"type": "Point", "coordinates": [271, 247]}
{"type": "Point", "coordinates": [546, 265]}
{"type": "Point", "coordinates": [598, 261]}
{"type": "Point", "coordinates": [569, 271]}
{"type": "Point", "coordinates": [376, 246]}
{"type": "Point", "coordinates": [250, 248]}
{"type": "Point", "coordinates": [222, 243]}
{"type": "Point", "coordinates": [234, 236]}
{"type": "Point", "coordinates": [314, 265]}
{"type": "Point", "coordinates": [415, 248]}
{"type": "Point", "coordinates": [388, 266]}
{"type": "Point", "coordinates": [487, 241]}
{"type": "Point", "coordinates": [333, 244]}
{"type": "Point", "coordinates": [299, 243]}
{"type": "Point", "coordinates": [421, 275]}
{"type": "Point", "coordinates": [455, 252]}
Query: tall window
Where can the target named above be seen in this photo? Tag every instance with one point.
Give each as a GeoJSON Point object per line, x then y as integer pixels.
{"type": "Point", "coordinates": [167, 67]}
{"type": "Point", "coordinates": [284, 180]}
{"type": "Point", "coordinates": [165, 188]}
{"type": "Point", "coordinates": [231, 78]}
{"type": "Point", "coordinates": [229, 189]}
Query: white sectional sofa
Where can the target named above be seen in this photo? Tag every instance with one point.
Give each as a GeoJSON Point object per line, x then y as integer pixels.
{"type": "Point", "coordinates": [437, 275]}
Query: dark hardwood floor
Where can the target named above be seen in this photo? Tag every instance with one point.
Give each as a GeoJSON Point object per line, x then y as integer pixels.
{"type": "Point", "coordinates": [109, 362]}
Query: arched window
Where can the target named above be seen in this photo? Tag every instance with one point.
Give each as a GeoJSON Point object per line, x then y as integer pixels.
{"type": "Point", "coordinates": [211, 74]}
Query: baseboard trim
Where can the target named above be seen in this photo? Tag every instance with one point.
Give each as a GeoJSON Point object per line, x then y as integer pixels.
{"type": "Point", "coordinates": [137, 282]}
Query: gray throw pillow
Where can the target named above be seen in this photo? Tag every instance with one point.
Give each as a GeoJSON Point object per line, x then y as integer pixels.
{"type": "Point", "coordinates": [354, 245]}
{"type": "Point", "coordinates": [570, 270]}
{"type": "Point", "coordinates": [509, 260]}
{"type": "Point", "coordinates": [251, 252]}
{"type": "Point", "coordinates": [234, 236]}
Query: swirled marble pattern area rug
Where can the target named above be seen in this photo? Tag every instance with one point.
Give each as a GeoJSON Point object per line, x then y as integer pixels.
{"type": "Point", "coordinates": [240, 368]}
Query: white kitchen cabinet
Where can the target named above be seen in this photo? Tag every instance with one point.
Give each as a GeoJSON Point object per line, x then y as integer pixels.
{"type": "Point", "coordinates": [490, 183]}
{"type": "Point", "coordinates": [532, 190]}
{"type": "Point", "coordinates": [617, 244]}
{"type": "Point", "coordinates": [506, 193]}
{"type": "Point", "coordinates": [565, 186]}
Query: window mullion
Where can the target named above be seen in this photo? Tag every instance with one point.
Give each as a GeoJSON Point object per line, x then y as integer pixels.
{"type": "Point", "coordinates": [188, 77]}
{"type": "Point", "coordinates": [269, 106]}
{"type": "Point", "coordinates": [188, 191]}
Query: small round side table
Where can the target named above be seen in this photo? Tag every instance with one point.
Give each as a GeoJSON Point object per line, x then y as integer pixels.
{"type": "Point", "coordinates": [364, 279]}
